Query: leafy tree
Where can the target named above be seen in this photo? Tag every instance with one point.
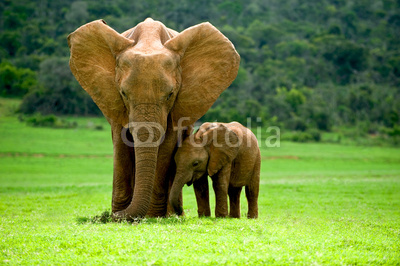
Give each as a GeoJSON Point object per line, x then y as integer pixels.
{"type": "Point", "coordinates": [10, 41]}
{"type": "Point", "coordinates": [15, 81]}
{"type": "Point", "coordinates": [263, 33]}
{"type": "Point", "coordinates": [347, 57]}
{"type": "Point", "coordinates": [294, 98]}
{"type": "Point", "coordinates": [58, 92]}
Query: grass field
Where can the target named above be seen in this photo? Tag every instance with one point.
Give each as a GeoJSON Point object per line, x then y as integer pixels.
{"type": "Point", "coordinates": [319, 204]}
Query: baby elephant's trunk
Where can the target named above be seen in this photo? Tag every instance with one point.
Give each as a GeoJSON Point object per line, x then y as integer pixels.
{"type": "Point", "coordinates": [174, 196]}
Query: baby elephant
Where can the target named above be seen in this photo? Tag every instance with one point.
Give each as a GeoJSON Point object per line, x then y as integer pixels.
{"type": "Point", "coordinates": [229, 154]}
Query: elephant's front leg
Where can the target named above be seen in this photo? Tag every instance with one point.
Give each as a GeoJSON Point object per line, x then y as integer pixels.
{"type": "Point", "coordinates": [164, 173]}
{"type": "Point", "coordinates": [123, 176]}
{"type": "Point", "coordinates": [234, 201]}
{"type": "Point", "coordinates": [202, 196]}
{"type": "Point", "coordinates": [220, 185]}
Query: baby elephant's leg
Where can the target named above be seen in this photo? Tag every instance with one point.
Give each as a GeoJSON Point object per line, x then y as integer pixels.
{"type": "Point", "coordinates": [252, 200]}
{"type": "Point", "coordinates": [221, 197]}
{"type": "Point", "coordinates": [234, 201]}
{"type": "Point", "coordinates": [202, 196]}
{"type": "Point", "coordinates": [252, 190]}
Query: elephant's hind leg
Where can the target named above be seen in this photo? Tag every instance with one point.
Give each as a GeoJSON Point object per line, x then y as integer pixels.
{"type": "Point", "coordinates": [252, 191]}
{"type": "Point", "coordinates": [252, 201]}
{"type": "Point", "coordinates": [234, 201]}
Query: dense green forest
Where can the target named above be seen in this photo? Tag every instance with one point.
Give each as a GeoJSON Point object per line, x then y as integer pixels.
{"type": "Point", "coordinates": [304, 64]}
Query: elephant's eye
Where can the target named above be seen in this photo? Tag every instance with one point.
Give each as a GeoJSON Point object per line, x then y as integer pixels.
{"type": "Point", "coordinates": [169, 95]}
{"type": "Point", "coordinates": [124, 94]}
{"type": "Point", "coordinates": [195, 163]}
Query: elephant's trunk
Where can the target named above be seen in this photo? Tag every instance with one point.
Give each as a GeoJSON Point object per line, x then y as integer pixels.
{"type": "Point", "coordinates": [146, 163]}
{"type": "Point", "coordinates": [147, 138]}
{"type": "Point", "coordinates": [175, 192]}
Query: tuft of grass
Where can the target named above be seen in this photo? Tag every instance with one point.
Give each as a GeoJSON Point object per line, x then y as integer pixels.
{"type": "Point", "coordinates": [103, 218]}
{"type": "Point", "coordinates": [106, 217]}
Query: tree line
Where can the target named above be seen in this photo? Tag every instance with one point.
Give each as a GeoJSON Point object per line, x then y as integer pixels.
{"type": "Point", "coordinates": [304, 64]}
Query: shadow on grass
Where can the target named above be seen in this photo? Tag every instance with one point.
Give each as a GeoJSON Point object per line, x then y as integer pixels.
{"type": "Point", "coordinates": [106, 217]}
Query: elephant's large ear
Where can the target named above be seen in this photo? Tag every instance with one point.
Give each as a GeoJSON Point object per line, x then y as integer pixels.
{"type": "Point", "coordinates": [94, 48]}
{"type": "Point", "coordinates": [223, 147]}
{"type": "Point", "coordinates": [209, 64]}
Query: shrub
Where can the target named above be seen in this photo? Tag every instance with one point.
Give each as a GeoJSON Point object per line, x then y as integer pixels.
{"type": "Point", "coordinates": [393, 134]}
{"type": "Point", "coordinates": [312, 135]}
{"type": "Point", "coordinates": [296, 123]}
{"type": "Point", "coordinates": [315, 134]}
{"type": "Point", "coordinates": [301, 137]}
{"type": "Point", "coordinates": [15, 81]}
{"type": "Point", "coordinates": [53, 121]}
{"type": "Point", "coordinates": [323, 121]}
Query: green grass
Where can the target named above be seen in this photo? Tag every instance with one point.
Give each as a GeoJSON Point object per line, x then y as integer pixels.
{"type": "Point", "coordinates": [319, 204]}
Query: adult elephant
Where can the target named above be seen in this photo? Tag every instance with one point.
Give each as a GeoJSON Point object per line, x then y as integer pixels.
{"type": "Point", "coordinates": [153, 81]}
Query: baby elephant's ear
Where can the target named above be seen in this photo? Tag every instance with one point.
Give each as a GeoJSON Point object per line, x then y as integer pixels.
{"type": "Point", "coordinates": [203, 129]}
{"type": "Point", "coordinates": [224, 146]}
